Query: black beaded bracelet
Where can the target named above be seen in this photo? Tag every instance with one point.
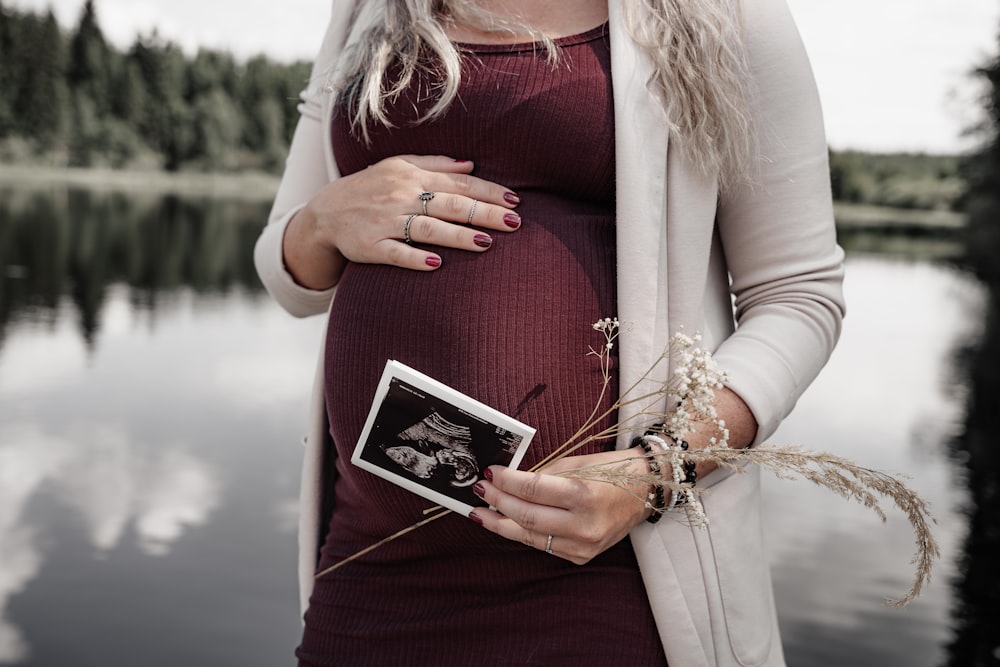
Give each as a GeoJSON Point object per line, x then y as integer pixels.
{"type": "Point", "coordinates": [659, 497]}
{"type": "Point", "coordinates": [690, 477]}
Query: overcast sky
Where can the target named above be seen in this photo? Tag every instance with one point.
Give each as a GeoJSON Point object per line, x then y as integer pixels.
{"type": "Point", "coordinates": [893, 74]}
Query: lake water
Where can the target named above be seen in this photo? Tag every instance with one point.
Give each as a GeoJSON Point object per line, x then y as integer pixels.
{"type": "Point", "coordinates": [152, 399]}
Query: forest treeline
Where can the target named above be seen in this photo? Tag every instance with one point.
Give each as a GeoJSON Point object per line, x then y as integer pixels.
{"type": "Point", "coordinates": [899, 180]}
{"type": "Point", "coordinates": [73, 99]}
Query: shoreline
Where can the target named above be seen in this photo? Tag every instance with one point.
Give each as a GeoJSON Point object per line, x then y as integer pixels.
{"type": "Point", "coordinates": [260, 186]}
{"type": "Point", "coordinates": [254, 186]}
{"type": "Point", "coordinates": [867, 217]}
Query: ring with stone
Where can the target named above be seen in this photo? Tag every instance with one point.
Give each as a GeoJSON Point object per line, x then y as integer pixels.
{"type": "Point", "coordinates": [424, 198]}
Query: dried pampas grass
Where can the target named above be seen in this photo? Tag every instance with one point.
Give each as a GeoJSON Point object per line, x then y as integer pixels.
{"type": "Point", "coordinates": [835, 473]}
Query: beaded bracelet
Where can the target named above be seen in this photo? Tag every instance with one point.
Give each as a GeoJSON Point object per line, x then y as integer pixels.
{"type": "Point", "coordinates": [684, 471]}
{"type": "Point", "coordinates": [657, 495]}
{"type": "Point", "coordinates": [676, 497]}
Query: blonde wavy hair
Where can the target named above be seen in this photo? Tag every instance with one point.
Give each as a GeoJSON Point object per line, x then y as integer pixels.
{"type": "Point", "coordinates": [701, 74]}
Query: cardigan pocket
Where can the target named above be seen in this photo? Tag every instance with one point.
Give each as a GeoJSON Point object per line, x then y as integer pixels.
{"type": "Point", "coordinates": [748, 618]}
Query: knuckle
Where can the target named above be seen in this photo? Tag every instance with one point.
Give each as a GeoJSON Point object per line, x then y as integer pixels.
{"type": "Point", "coordinates": [579, 495]}
{"type": "Point", "coordinates": [530, 489]}
{"type": "Point", "coordinates": [590, 535]}
{"type": "Point", "coordinates": [529, 520]}
{"type": "Point", "coordinates": [494, 218]}
{"type": "Point", "coordinates": [454, 206]}
{"type": "Point", "coordinates": [395, 254]}
{"type": "Point", "coordinates": [463, 183]}
{"type": "Point", "coordinates": [526, 538]}
{"type": "Point", "coordinates": [424, 226]}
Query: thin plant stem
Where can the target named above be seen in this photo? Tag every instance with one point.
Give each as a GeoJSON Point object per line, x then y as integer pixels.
{"type": "Point", "coordinates": [409, 529]}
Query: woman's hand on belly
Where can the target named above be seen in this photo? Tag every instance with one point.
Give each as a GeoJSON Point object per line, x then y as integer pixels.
{"type": "Point", "coordinates": [364, 217]}
{"type": "Point", "coordinates": [584, 517]}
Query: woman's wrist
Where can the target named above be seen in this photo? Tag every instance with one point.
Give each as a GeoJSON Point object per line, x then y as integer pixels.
{"type": "Point", "coordinates": [310, 262]}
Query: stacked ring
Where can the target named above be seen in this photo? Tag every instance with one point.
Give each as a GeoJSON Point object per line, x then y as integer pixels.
{"type": "Point", "coordinates": [548, 546]}
{"type": "Point", "coordinates": [406, 228]}
{"type": "Point", "coordinates": [472, 211]}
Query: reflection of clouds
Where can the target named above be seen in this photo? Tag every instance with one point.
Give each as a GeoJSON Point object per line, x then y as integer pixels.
{"type": "Point", "coordinates": [118, 316]}
{"type": "Point", "coordinates": [287, 514]}
{"type": "Point", "coordinates": [182, 493]}
{"type": "Point", "coordinates": [27, 460]}
{"type": "Point", "coordinates": [33, 363]}
{"type": "Point", "coordinates": [101, 486]}
{"type": "Point", "coordinates": [109, 480]}
{"type": "Point", "coordinates": [264, 378]}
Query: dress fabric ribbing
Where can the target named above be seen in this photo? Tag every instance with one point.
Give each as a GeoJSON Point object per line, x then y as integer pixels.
{"type": "Point", "coordinates": [510, 327]}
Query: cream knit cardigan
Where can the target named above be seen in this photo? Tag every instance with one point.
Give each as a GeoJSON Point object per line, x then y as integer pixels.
{"type": "Point", "coordinates": [685, 257]}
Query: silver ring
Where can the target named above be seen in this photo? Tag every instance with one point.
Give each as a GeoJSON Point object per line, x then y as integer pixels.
{"type": "Point", "coordinates": [472, 211]}
{"type": "Point", "coordinates": [406, 228]}
{"type": "Point", "coordinates": [548, 546]}
{"type": "Point", "coordinates": [424, 198]}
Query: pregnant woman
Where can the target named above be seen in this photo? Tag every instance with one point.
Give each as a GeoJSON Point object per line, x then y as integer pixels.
{"type": "Point", "coordinates": [471, 185]}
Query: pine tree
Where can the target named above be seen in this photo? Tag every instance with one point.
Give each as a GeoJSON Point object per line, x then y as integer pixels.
{"type": "Point", "coordinates": [165, 123]}
{"type": "Point", "coordinates": [7, 73]}
{"type": "Point", "coordinates": [40, 94]}
{"type": "Point", "coordinates": [90, 57]}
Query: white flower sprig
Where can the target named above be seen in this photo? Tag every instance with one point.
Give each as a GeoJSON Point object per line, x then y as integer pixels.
{"type": "Point", "coordinates": [689, 393]}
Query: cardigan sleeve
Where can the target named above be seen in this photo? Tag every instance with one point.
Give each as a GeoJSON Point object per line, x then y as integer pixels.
{"type": "Point", "coordinates": [778, 234]}
{"type": "Point", "coordinates": [307, 171]}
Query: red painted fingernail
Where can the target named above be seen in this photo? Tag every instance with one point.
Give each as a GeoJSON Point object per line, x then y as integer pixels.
{"type": "Point", "coordinates": [475, 517]}
{"type": "Point", "coordinates": [511, 198]}
{"type": "Point", "coordinates": [488, 474]}
{"type": "Point", "coordinates": [433, 261]}
{"type": "Point", "coordinates": [482, 240]}
{"type": "Point", "coordinates": [479, 489]}
{"type": "Point", "coordinates": [512, 220]}
{"type": "Point", "coordinates": [462, 161]}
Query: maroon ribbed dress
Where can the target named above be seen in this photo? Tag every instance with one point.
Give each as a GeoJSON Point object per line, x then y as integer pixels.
{"type": "Point", "coordinates": [511, 327]}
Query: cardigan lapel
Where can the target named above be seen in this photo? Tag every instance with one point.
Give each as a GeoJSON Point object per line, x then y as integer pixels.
{"type": "Point", "coordinates": [640, 190]}
{"type": "Point", "coordinates": [644, 201]}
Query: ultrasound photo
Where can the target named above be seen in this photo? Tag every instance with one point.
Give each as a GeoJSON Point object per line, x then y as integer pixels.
{"type": "Point", "coordinates": [435, 441]}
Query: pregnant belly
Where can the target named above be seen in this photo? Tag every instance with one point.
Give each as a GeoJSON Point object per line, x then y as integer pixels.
{"type": "Point", "coordinates": [509, 327]}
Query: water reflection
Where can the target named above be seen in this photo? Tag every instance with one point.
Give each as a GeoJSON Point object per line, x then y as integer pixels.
{"type": "Point", "coordinates": [885, 401]}
{"type": "Point", "coordinates": [147, 434]}
{"type": "Point", "coordinates": [924, 244]}
{"type": "Point", "coordinates": [79, 242]}
{"type": "Point", "coordinates": [151, 399]}
{"type": "Point", "coordinates": [110, 480]}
